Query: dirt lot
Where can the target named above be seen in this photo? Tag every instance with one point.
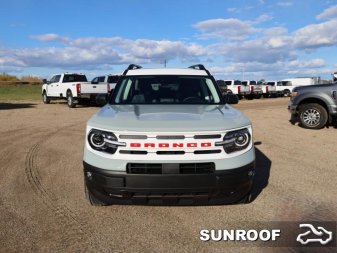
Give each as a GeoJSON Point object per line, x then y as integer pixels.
{"type": "Point", "coordinates": [42, 202]}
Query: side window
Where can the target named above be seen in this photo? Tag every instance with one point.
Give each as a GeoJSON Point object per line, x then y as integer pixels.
{"type": "Point", "coordinates": [95, 80]}
{"type": "Point", "coordinates": [101, 79]}
{"type": "Point", "coordinates": [52, 79]}
{"type": "Point", "coordinates": [57, 78]}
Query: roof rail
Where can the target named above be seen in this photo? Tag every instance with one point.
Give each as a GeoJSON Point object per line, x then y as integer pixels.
{"type": "Point", "coordinates": [130, 67]}
{"type": "Point", "coordinates": [197, 66]}
{"type": "Point", "coordinates": [200, 67]}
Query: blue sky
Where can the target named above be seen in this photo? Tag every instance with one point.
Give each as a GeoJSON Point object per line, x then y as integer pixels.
{"type": "Point", "coordinates": [235, 39]}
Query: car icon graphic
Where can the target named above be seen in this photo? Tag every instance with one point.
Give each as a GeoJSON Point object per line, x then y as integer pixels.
{"type": "Point", "coordinates": [319, 233]}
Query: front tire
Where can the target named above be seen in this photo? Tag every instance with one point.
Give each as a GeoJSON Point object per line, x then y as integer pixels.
{"type": "Point", "coordinates": [91, 198]}
{"type": "Point", "coordinates": [313, 116]}
{"type": "Point", "coordinates": [70, 100]}
{"type": "Point", "coordinates": [248, 198]}
{"type": "Point", "coordinates": [45, 98]}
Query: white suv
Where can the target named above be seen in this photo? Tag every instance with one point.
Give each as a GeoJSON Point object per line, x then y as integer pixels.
{"type": "Point", "coordinates": [168, 135]}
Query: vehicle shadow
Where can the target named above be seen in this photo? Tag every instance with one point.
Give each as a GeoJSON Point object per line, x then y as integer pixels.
{"type": "Point", "coordinates": [9, 106]}
{"type": "Point", "coordinates": [79, 106]}
{"type": "Point", "coordinates": [262, 173]}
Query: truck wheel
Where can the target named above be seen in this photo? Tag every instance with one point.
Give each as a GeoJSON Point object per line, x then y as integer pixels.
{"type": "Point", "coordinates": [70, 100]}
{"type": "Point", "coordinates": [91, 198]}
{"type": "Point", "coordinates": [286, 93]}
{"type": "Point", "coordinates": [45, 98]}
{"type": "Point", "coordinates": [257, 96]}
{"type": "Point", "coordinates": [313, 116]}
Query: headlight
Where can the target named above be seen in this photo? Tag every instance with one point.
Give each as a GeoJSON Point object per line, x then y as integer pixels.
{"type": "Point", "coordinates": [235, 141]}
{"type": "Point", "coordinates": [293, 93]}
{"type": "Point", "coordinates": [103, 141]}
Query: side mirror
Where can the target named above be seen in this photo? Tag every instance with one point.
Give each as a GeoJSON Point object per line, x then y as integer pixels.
{"type": "Point", "coordinates": [231, 98]}
{"type": "Point", "coordinates": [101, 99]}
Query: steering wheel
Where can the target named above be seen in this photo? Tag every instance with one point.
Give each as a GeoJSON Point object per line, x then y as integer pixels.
{"type": "Point", "coordinates": [193, 99]}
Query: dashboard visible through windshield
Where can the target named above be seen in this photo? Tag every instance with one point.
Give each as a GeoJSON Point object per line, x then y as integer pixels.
{"type": "Point", "coordinates": [165, 90]}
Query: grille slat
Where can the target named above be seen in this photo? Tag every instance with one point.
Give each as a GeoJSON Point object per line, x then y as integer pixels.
{"type": "Point", "coordinates": [133, 152]}
{"type": "Point", "coordinates": [201, 152]}
{"type": "Point", "coordinates": [170, 152]}
{"type": "Point", "coordinates": [207, 136]}
{"type": "Point", "coordinates": [170, 137]}
{"type": "Point", "coordinates": [157, 168]}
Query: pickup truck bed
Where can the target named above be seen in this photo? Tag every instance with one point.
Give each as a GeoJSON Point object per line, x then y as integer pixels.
{"type": "Point", "coordinates": [73, 87]}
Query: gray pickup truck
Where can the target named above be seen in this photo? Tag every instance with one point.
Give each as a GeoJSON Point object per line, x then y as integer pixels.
{"type": "Point", "coordinates": [314, 106]}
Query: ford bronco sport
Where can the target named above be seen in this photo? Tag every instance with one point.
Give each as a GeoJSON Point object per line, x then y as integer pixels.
{"type": "Point", "coordinates": [168, 136]}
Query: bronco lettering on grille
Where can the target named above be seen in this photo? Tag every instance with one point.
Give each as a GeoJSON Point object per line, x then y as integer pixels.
{"type": "Point", "coordinates": [171, 145]}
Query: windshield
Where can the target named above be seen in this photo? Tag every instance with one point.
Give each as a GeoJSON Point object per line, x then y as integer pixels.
{"type": "Point", "coordinates": [165, 90]}
{"type": "Point", "coordinates": [113, 79]}
{"type": "Point", "coordinates": [74, 78]}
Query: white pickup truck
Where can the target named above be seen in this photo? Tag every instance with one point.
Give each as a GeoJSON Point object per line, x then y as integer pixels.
{"type": "Point", "coordinates": [255, 89]}
{"type": "Point", "coordinates": [268, 88]}
{"type": "Point", "coordinates": [71, 86]}
{"type": "Point", "coordinates": [237, 88]}
{"type": "Point", "coordinates": [110, 80]}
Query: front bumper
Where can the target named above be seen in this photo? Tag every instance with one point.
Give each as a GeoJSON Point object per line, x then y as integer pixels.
{"type": "Point", "coordinates": [219, 187]}
{"type": "Point", "coordinates": [292, 108]}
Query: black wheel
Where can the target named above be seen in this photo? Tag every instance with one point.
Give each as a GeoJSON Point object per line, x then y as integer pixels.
{"type": "Point", "coordinates": [313, 116]}
{"type": "Point", "coordinates": [70, 100]}
{"type": "Point", "coordinates": [91, 198]}
{"type": "Point", "coordinates": [246, 199]}
{"type": "Point", "coordinates": [265, 95]}
{"type": "Point", "coordinates": [257, 96]}
{"type": "Point", "coordinates": [239, 96]}
{"type": "Point", "coordinates": [45, 98]}
{"type": "Point", "coordinates": [286, 93]}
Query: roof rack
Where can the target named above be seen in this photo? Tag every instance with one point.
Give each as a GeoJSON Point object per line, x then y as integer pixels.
{"type": "Point", "coordinates": [197, 66]}
{"type": "Point", "coordinates": [201, 67]}
{"type": "Point", "coordinates": [130, 67]}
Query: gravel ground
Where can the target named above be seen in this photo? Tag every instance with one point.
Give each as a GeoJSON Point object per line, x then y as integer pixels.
{"type": "Point", "coordinates": [42, 202]}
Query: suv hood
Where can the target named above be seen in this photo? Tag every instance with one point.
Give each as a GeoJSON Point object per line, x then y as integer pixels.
{"type": "Point", "coordinates": [168, 118]}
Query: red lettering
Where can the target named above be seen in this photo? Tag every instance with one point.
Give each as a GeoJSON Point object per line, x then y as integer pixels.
{"type": "Point", "coordinates": [135, 145]}
{"type": "Point", "coordinates": [178, 145]}
{"type": "Point", "coordinates": [192, 145]}
{"type": "Point", "coordinates": [149, 145]}
{"type": "Point", "coordinates": [164, 145]}
{"type": "Point", "coordinates": [206, 144]}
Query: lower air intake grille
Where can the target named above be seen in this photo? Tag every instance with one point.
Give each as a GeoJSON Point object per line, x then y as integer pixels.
{"type": "Point", "coordinates": [158, 168]}
{"type": "Point", "coordinates": [144, 168]}
{"type": "Point", "coordinates": [196, 168]}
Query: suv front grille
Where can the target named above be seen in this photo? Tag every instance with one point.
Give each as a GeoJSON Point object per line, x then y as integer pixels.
{"type": "Point", "coordinates": [170, 168]}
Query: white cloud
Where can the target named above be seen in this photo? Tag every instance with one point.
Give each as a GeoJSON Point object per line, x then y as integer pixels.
{"type": "Point", "coordinates": [229, 29]}
{"type": "Point", "coordinates": [232, 9]}
{"type": "Point", "coordinates": [271, 71]}
{"type": "Point", "coordinates": [316, 35]}
{"type": "Point", "coordinates": [329, 13]}
{"type": "Point", "coordinates": [262, 18]}
{"type": "Point", "coordinates": [49, 37]}
{"type": "Point", "coordinates": [95, 52]}
{"type": "Point", "coordinates": [309, 64]}
{"type": "Point", "coordinates": [284, 4]}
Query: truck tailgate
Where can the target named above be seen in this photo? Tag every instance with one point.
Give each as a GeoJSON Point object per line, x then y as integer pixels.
{"type": "Point", "coordinates": [89, 88]}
